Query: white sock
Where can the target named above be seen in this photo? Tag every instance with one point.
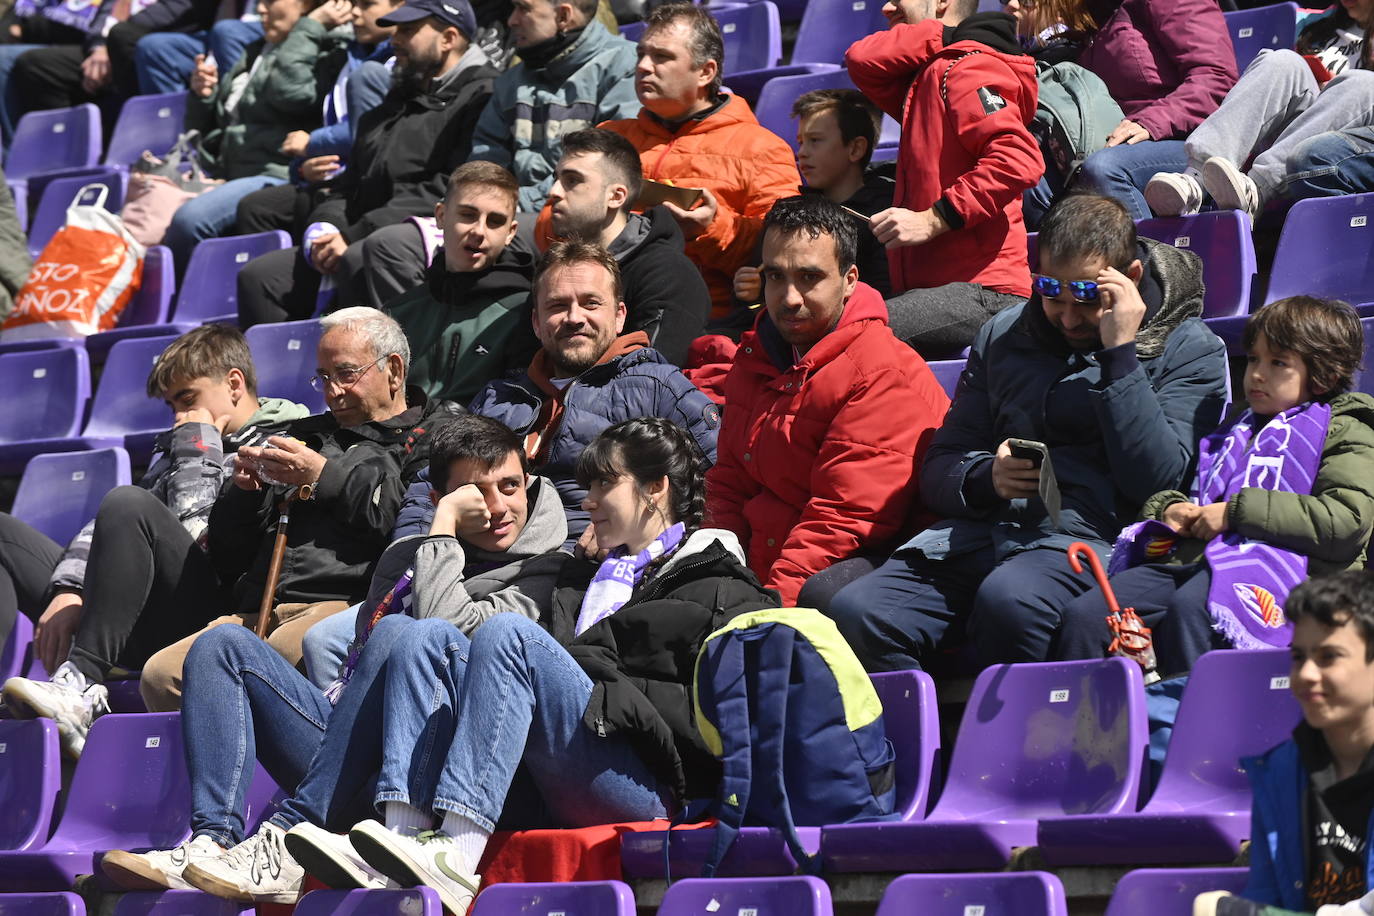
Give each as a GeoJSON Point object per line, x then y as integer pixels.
{"type": "Point", "coordinates": [469, 839]}
{"type": "Point", "coordinates": [406, 819]}
{"type": "Point", "coordinates": [68, 675]}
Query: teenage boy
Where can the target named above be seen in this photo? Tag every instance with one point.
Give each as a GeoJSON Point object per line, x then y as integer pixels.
{"type": "Point", "coordinates": [465, 323]}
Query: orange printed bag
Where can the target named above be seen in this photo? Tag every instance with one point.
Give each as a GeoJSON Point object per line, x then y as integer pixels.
{"type": "Point", "coordinates": [84, 278]}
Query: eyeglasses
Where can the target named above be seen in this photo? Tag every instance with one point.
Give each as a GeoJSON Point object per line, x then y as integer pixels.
{"type": "Point", "coordinates": [344, 378]}
{"type": "Point", "coordinates": [1082, 290]}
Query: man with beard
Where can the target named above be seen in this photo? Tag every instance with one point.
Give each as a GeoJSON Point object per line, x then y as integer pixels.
{"type": "Point", "coordinates": [398, 168]}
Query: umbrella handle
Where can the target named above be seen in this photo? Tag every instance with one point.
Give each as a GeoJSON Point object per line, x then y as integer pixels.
{"type": "Point", "coordinates": [1077, 549]}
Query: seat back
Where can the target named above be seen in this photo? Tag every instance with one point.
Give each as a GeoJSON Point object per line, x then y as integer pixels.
{"type": "Point", "coordinates": [911, 717]}
{"type": "Point", "coordinates": [179, 903]}
{"type": "Point", "coordinates": [146, 122]}
{"type": "Point", "coordinates": [829, 27]}
{"type": "Point", "coordinates": [1223, 241]}
{"type": "Point", "coordinates": [285, 358]}
{"type": "Point", "coordinates": [60, 492]}
{"type": "Point", "coordinates": [413, 901]}
{"type": "Point", "coordinates": [1048, 739]}
{"type": "Point", "coordinates": [793, 896]}
{"type": "Point", "coordinates": [30, 778]}
{"type": "Point", "coordinates": [121, 405]}
{"type": "Point", "coordinates": [1236, 704]}
{"type": "Point", "coordinates": [753, 36]}
{"type": "Point", "coordinates": [153, 301]}
{"type": "Point", "coordinates": [1263, 27]}
{"type": "Point", "coordinates": [1326, 249]}
{"type": "Point", "coordinates": [569, 898]}
{"type": "Point", "coordinates": [1031, 893]}
{"type": "Point", "coordinates": [1170, 891]}
{"type": "Point", "coordinates": [776, 98]}
{"type": "Point", "coordinates": [1364, 378]}
{"type": "Point", "coordinates": [60, 193]}
{"type": "Point", "coordinates": [57, 904]}
{"type": "Point", "coordinates": [55, 383]}
{"type": "Point", "coordinates": [16, 655]}
{"type": "Point", "coordinates": [947, 372]}
{"type": "Point", "coordinates": [59, 138]}
{"type": "Point", "coordinates": [148, 806]}
{"type": "Point", "coordinates": [209, 288]}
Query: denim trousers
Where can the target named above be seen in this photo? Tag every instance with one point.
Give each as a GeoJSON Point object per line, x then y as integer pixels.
{"type": "Point", "coordinates": [1333, 164]}
{"type": "Point", "coordinates": [1123, 171]}
{"type": "Point", "coordinates": [464, 717]}
{"type": "Point", "coordinates": [210, 215]}
{"type": "Point", "coordinates": [325, 646]}
{"type": "Point", "coordinates": [164, 60]}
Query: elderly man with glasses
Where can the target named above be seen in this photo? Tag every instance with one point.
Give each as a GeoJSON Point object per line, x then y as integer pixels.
{"type": "Point", "coordinates": [149, 584]}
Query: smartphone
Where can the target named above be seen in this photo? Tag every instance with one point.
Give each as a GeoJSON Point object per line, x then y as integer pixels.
{"type": "Point", "coordinates": [1028, 449]}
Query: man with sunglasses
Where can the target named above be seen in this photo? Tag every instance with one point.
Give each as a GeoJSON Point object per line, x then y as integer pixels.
{"type": "Point", "coordinates": [1110, 368]}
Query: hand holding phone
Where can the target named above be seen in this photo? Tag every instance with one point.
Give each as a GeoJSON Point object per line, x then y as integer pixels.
{"type": "Point", "coordinates": [1016, 476]}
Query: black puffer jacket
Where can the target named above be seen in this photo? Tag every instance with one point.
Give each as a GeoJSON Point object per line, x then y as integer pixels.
{"type": "Point", "coordinates": [642, 657]}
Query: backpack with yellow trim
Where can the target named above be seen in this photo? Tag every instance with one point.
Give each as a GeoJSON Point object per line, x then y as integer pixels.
{"type": "Point", "coordinates": [785, 704]}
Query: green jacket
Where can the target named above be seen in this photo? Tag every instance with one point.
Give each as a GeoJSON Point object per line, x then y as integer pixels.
{"type": "Point", "coordinates": [1332, 525]}
{"type": "Point", "coordinates": [285, 93]}
{"type": "Point", "coordinates": [466, 329]}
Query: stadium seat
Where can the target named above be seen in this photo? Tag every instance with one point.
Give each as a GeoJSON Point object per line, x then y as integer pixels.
{"type": "Point", "coordinates": [50, 141]}
{"type": "Point", "coordinates": [1036, 740]}
{"type": "Point", "coordinates": [284, 355]}
{"type": "Point", "coordinates": [631, 31]}
{"type": "Point", "coordinates": [147, 312]}
{"type": "Point", "coordinates": [209, 290]}
{"type": "Point", "coordinates": [1236, 704]}
{"type": "Point", "coordinates": [60, 492]}
{"type": "Point", "coordinates": [179, 903]}
{"type": "Point", "coordinates": [30, 778]}
{"type": "Point", "coordinates": [1364, 378]}
{"type": "Point", "coordinates": [776, 97]}
{"type": "Point", "coordinates": [569, 898]}
{"type": "Point", "coordinates": [146, 122]}
{"type": "Point", "coordinates": [790, 896]}
{"type": "Point", "coordinates": [753, 47]}
{"type": "Point", "coordinates": [60, 904]}
{"type": "Point", "coordinates": [911, 719]}
{"type": "Point", "coordinates": [1326, 249]}
{"type": "Point", "coordinates": [16, 655]}
{"type": "Point", "coordinates": [829, 27]}
{"type": "Point", "coordinates": [53, 387]}
{"type": "Point", "coordinates": [50, 213]}
{"type": "Point", "coordinates": [1254, 30]}
{"type": "Point", "coordinates": [1170, 891]}
{"type": "Point", "coordinates": [1031, 893]}
{"type": "Point", "coordinates": [414, 901]}
{"type": "Point", "coordinates": [947, 372]}
{"type": "Point", "coordinates": [147, 807]}
{"type": "Point", "coordinates": [1222, 239]}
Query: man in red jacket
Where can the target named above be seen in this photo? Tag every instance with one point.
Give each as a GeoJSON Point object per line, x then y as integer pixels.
{"type": "Point", "coordinates": [965, 94]}
{"type": "Point", "coordinates": [827, 412]}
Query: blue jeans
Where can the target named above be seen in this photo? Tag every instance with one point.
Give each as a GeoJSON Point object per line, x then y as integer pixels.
{"type": "Point", "coordinates": [164, 60]}
{"type": "Point", "coordinates": [463, 716]}
{"type": "Point", "coordinates": [325, 646]}
{"type": "Point", "coordinates": [242, 700]}
{"type": "Point", "coordinates": [1332, 164]}
{"type": "Point", "coordinates": [210, 215]}
{"type": "Point", "coordinates": [1123, 171]}
{"type": "Point", "coordinates": [11, 107]}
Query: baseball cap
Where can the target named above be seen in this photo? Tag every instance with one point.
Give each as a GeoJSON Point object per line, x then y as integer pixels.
{"type": "Point", "coordinates": [457, 13]}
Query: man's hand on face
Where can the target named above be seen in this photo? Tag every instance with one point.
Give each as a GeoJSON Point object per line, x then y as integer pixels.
{"type": "Point", "coordinates": [695, 221]}
{"type": "Point", "coordinates": [897, 227]}
{"type": "Point", "coordinates": [1123, 310]}
{"type": "Point", "coordinates": [200, 415]}
{"type": "Point", "coordinates": [462, 512]}
{"type": "Point", "coordinates": [1014, 478]}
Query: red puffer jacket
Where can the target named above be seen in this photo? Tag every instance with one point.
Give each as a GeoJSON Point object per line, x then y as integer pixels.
{"type": "Point", "coordinates": [817, 462]}
{"type": "Point", "coordinates": [964, 109]}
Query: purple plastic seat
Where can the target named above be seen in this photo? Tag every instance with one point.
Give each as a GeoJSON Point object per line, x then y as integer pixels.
{"type": "Point", "coordinates": [30, 778]}
{"type": "Point", "coordinates": [753, 48]}
{"type": "Point", "coordinates": [146, 122]}
{"type": "Point", "coordinates": [147, 807]}
{"type": "Point", "coordinates": [179, 903]}
{"type": "Point", "coordinates": [1170, 891]}
{"type": "Point", "coordinates": [411, 901]}
{"type": "Point", "coordinates": [147, 312]}
{"type": "Point", "coordinates": [61, 492]}
{"type": "Point", "coordinates": [1254, 30]}
{"type": "Point", "coordinates": [55, 385]}
{"type": "Point", "coordinates": [1236, 704]}
{"type": "Point", "coordinates": [776, 97]}
{"type": "Point", "coordinates": [1326, 249]}
{"type": "Point", "coordinates": [829, 27]}
{"type": "Point", "coordinates": [209, 289]}
{"type": "Point", "coordinates": [50, 141]}
{"type": "Point", "coordinates": [285, 357]}
{"type": "Point", "coordinates": [568, 898]}
{"type": "Point", "coordinates": [1036, 740]}
{"type": "Point", "coordinates": [789, 896]}
{"type": "Point", "coordinates": [947, 372]}
{"type": "Point", "coordinates": [60, 904]}
{"type": "Point", "coordinates": [1029, 893]}
{"type": "Point", "coordinates": [1223, 241]}
{"type": "Point", "coordinates": [631, 31]}
{"type": "Point", "coordinates": [912, 723]}
{"type": "Point", "coordinates": [50, 213]}
{"type": "Point", "coordinates": [17, 655]}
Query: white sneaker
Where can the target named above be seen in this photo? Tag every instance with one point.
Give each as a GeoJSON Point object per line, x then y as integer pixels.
{"type": "Point", "coordinates": [1231, 188]}
{"type": "Point", "coordinates": [1173, 194]}
{"type": "Point", "coordinates": [331, 858]}
{"type": "Point", "coordinates": [71, 708]}
{"type": "Point", "coordinates": [428, 858]}
{"type": "Point", "coordinates": [160, 868]}
{"type": "Point", "coordinates": [259, 870]}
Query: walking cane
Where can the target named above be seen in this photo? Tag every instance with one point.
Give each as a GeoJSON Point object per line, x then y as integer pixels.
{"type": "Point", "coordinates": [274, 567]}
{"type": "Point", "coordinates": [1130, 637]}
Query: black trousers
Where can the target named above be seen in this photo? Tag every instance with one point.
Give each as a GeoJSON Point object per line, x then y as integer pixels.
{"type": "Point", "coordinates": [147, 585]}
{"type": "Point", "coordinates": [51, 77]}
{"type": "Point", "coordinates": [27, 560]}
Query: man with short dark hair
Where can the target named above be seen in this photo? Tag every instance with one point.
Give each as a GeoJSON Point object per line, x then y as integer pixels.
{"type": "Point", "coordinates": [827, 413]}
{"type": "Point", "coordinates": [1109, 367]}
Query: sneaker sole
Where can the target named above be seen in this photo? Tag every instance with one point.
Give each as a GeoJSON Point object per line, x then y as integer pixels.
{"type": "Point", "coordinates": [1223, 182]}
{"type": "Point", "coordinates": [372, 841]}
{"type": "Point", "coordinates": [212, 884]}
{"type": "Point", "coordinates": [1165, 200]}
{"type": "Point", "coordinates": [325, 863]}
{"type": "Point", "coordinates": [73, 741]}
{"type": "Point", "coordinates": [133, 872]}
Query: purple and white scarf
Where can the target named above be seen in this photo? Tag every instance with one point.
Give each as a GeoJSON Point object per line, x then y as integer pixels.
{"type": "Point", "coordinates": [618, 575]}
{"type": "Point", "coordinates": [396, 601]}
{"type": "Point", "coordinates": [1250, 578]}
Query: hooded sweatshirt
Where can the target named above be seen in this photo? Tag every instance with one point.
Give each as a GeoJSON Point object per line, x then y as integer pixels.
{"type": "Point", "coordinates": [664, 292]}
